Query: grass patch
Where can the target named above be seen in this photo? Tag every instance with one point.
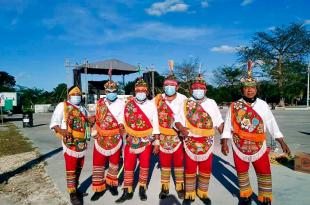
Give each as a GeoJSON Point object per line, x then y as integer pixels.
{"type": "Point", "coordinates": [12, 142]}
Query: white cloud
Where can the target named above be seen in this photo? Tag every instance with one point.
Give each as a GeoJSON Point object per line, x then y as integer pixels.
{"type": "Point", "coordinates": [246, 2]}
{"type": "Point", "coordinates": [307, 22]}
{"type": "Point", "coordinates": [204, 4]}
{"type": "Point", "coordinates": [271, 28]}
{"type": "Point", "coordinates": [82, 26]}
{"type": "Point", "coordinates": [224, 49]}
{"type": "Point", "coordinates": [161, 8]}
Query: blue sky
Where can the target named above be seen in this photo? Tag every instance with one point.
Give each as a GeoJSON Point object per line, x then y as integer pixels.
{"type": "Point", "coordinates": [36, 36]}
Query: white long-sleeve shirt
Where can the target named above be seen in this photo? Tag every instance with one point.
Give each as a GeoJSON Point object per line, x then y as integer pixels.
{"type": "Point", "coordinates": [210, 106]}
{"type": "Point", "coordinates": [150, 110]}
{"type": "Point", "coordinates": [117, 109]}
{"type": "Point", "coordinates": [262, 108]}
{"type": "Point", "coordinates": [176, 104]}
{"type": "Point", "coordinates": [58, 116]}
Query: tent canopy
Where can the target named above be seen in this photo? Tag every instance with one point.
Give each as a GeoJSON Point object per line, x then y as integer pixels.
{"type": "Point", "coordinates": [102, 67]}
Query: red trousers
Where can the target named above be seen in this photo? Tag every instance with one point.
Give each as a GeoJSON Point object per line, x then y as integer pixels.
{"type": "Point", "coordinates": [263, 173]}
{"type": "Point", "coordinates": [204, 173]}
{"type": "Point", "coordinates": [130, 160]}
{"type": "Point", "coordinates": [99, 161]}
{"type": "Point", "coordinates": [165, 160]}
{"type": "Point", "coordinates": [73, 171]}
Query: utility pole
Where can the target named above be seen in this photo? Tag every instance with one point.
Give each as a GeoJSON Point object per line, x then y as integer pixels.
{"type": "Point", "coordinates": [308, 86]}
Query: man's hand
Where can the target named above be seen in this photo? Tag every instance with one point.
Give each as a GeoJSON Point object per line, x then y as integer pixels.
{"type": "Point", "coordinates": [284, 146]}
{"type": "Point", "coordinates": [225, 148]}
{"type": "Point", "coordinates": [59, 131]}
{"type": "Point", "coordinates": [121, 129]}
{"type": "Point", "coordinates": [184, 132]}
{"type": "Point", "coordinates": [156, 149]}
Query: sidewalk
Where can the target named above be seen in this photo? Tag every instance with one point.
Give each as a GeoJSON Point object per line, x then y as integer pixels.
{"type": "Point", "coordinates": [289, 187]}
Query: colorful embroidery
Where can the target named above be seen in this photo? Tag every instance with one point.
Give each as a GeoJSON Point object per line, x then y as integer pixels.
{"type": "Point", "coordinates": [109, 142]}
{"type": "Point", "coordinates": [137, 142]}
{"type": "Point", "coordinates": [247, 147]}
{"type": "Point", "coordinates": [197, 119]}
{"type": "Point", "coordinates": [165, 116]}
{"type": "Point", "coordinates": [169, 142]}
{"type": "Point", "coordinates": [136, 122]}
{"type": "Point", "coordinates": [199, 145]}
{"type": "Point", "coordinates": [247, 119]}
{"type": "Point", "coordinates": [106, 123]}
{"type": "Point", "coordinates": [77, 125]}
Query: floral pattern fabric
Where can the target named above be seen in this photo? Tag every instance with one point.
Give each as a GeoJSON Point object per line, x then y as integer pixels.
{"type": "Point", "coordinates": [165, 114]}
{"type": "Point", "coordinates": [169, 142]}
{"type": "Point", "coordinates": [199, 145]}
{"type": "Point", "coordinates": [249, 121]}
{"type": "Point", "coordinates": [135, 118]}
{"type": "Point", "coordinates": [76, 122]}
{"type": "Point", "coordinates": [197, 116]}
{"type": "Point", "coordinates": [104, 118]}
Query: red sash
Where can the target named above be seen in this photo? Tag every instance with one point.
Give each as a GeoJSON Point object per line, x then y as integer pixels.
{"type": "Point", "coordinates": [106, 124]}
{"type": "Point", "coordinates": [136, 122]}
{"type": "Point", "coordinates": [247, 123]}
{"type": "Point", "coordinates": [198, 120]}
{"type": "Point", "coordinates": [165, 116]}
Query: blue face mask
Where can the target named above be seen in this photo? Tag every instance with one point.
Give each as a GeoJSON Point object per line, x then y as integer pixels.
{"type": "Point", "coordinates": [170, 90]}
{"type": "Point", "coordinates": [75, 99]}
{"type": "Point", "coordinates": [198, 94]}
{"type": "Point", "coordinates": [112, 96]}
{"type": "Point", "coordinates": [141, 96]}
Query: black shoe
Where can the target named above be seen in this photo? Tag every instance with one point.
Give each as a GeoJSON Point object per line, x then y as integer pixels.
{"type": "Point", "coordinates": [96, 196]}
{"type": "Point", "coordinates": [266, 203]}
{"type": "Point", "coordinates": [245, 201]}
{"type": "Point", "coordinates": [142, 193]}
{"type": "Point", "coordinates": [75, 199]}
{"type": "Point", "coordinates": [181, 194]}
{"type": "Point", "coordinates": [187, 202]}
{"type": "Point", "coordinates": [163, 193]}
{"type": "Point", "coordinates": [113, 190]}
{"type": "Point", "coordinates": [206, 201]}
{"type": "Point", "coordinates": [126, 196]}
{"type": "Point", "coordinates": [81, 194]}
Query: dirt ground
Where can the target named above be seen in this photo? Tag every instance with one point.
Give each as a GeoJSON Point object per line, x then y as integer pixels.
{"type": "Point", "coordinates": [23, 178]}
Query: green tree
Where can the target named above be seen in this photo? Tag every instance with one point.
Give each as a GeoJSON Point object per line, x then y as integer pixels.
{"type": "Point", "coordinates": [7, 82]}
{"type": "Point", "coordinates": [227, 78]}
{"type": "Point", "coordinates": [59, 93]}
{"type": "Point", "coordinates": [277, 50]}
{"type": "Point", "coordinates": [186, 72]}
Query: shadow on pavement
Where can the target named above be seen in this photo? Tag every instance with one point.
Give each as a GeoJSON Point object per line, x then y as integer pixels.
{"type": "Point", "coordinates": [221, 173]}
{"type": "Point", "coordinates": [306, 133]}
{"type": "Point", "coordinates": [170, 200]}
{"type": "Point", "coordinates": [38, 125]}
{"type": "Point", "coordinates": [7, 175]}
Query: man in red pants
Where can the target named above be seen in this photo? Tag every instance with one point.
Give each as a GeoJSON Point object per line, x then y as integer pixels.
{"type": "Point", "coordinates": [246, 124]}
{"type": "Point", "coordinates": [141, 123]}
{"type": "Point", "coordinates": [171, 149]}
{"type": "Point", "coordinates": [108, 142]}
{"type": "Point", "coordinates": [197, 124]}
{"type": "Point", "coordinates": [70, 123]}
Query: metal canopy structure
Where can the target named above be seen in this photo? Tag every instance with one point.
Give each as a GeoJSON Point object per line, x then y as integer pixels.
{"type": "Point", "coordinates": [102, 67]}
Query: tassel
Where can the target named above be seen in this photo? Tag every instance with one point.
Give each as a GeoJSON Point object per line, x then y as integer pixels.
{"type": "Point", "coordinates": [202, 194]}
{"type": "Point", "coordinates": [190, 195]}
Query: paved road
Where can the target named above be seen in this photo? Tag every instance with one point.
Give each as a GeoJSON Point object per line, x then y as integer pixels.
{"type": "Point", "coordinates": [289, 187]}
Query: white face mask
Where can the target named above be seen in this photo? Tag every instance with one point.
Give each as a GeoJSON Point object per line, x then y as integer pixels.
{"type": "Point", "coordinates": [141, 96]}
{"type": "Point", "coordinates": [198, 94]}
{"type": "Point", "coordinates": [75, 99]}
